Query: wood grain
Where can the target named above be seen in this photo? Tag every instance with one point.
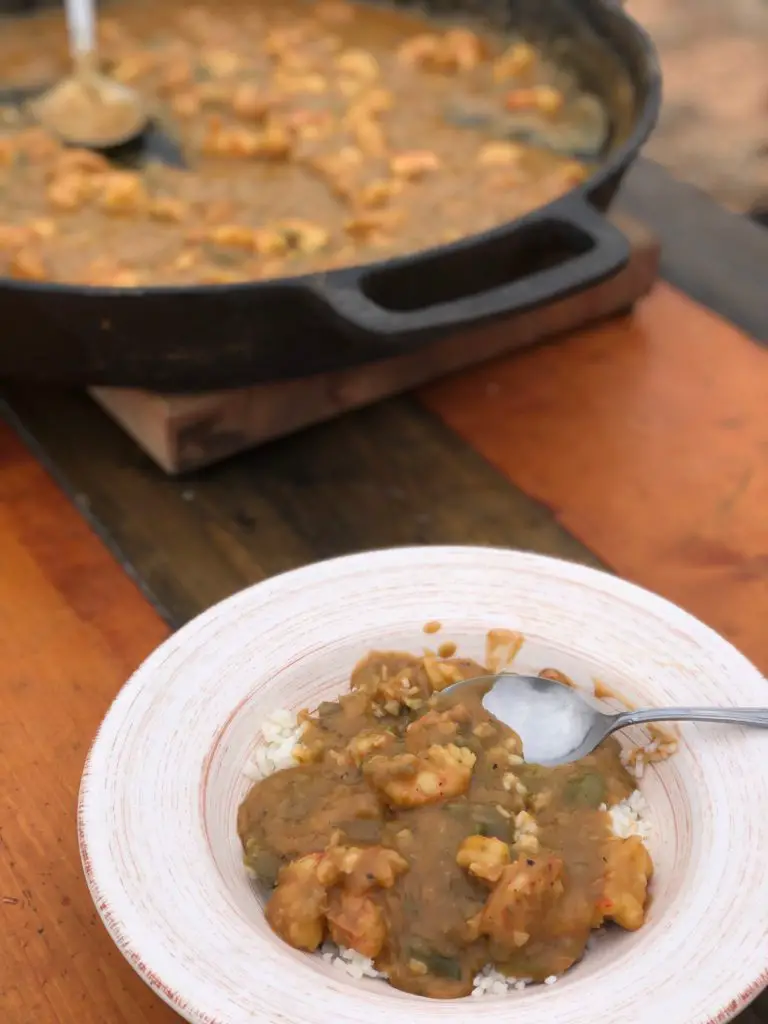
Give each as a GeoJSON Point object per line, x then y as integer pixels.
{"type": "Point", "coordinates": [390, 474]}
{"type": "Point", "coordinates": [72, 627]}
{"type": "Point", "coordinates": [648, 439]}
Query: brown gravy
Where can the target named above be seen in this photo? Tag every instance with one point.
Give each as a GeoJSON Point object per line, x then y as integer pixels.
{"type": "Point", "coordinates": [415, 833]}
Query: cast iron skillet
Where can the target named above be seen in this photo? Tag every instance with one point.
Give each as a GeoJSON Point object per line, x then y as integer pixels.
{"type": "Point", "coordinates": [220, 336]}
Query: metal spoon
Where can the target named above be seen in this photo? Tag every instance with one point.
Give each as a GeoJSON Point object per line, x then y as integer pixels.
{"type": "Point", "coordinates": [557, 724]}
{"type": "Point", "coordinates": [87, 108]}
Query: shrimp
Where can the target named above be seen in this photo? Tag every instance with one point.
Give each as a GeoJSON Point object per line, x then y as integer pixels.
{"type": "Point", "coordinates": [410, 780]}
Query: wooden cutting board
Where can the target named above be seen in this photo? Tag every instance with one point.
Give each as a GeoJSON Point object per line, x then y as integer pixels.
{"type": "Point", "coordinates": [185, 432]}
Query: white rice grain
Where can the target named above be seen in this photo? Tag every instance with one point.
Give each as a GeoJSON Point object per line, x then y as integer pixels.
{"type": "Point", "coordinates": [280, 733]}
{"type": "Point", "coordinates": [350, 961]}
{"type": "Point", "coordinates": [630, 817]}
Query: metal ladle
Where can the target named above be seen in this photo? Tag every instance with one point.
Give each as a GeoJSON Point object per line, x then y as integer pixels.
{"type": "Point", "coordinates": [87, 108]}
{"type": "Point", "coordinates": [557, 724]}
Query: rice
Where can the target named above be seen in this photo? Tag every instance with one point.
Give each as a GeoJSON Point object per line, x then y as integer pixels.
{"type": "Point", "coordinates": [630, 817]}
{"type": "Point", "coordinates": [281, 732]}
{"type": "Point", "coordinates": [350, 961]}
{"type": "Point", "coordinates": [490, 982]}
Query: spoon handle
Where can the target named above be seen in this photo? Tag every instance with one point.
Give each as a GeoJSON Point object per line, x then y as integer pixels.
{"type": "Point", "coordinates": [81, 27]}
{"type": "Point", "coordinates": [732, 716]}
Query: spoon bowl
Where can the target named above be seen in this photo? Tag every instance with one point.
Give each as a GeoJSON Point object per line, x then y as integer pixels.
{"type": "Point", "coordinates": [91, 111]}
{"type": "Point", "coordinates": [558, 724]}
{"type": "Point", "coordinates": [87, 108]}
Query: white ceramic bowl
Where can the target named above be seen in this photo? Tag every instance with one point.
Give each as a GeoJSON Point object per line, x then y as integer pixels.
{"type": "Point", "coordinates": [165, 776]}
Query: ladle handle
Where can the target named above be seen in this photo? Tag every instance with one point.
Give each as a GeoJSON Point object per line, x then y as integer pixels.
{"type": "Point", "coordinates": [81, 28]}
{"type": "Point", "coordinates": [729, 716]}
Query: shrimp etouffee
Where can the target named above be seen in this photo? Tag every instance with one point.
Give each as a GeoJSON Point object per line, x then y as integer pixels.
{"type": "Point", "coordinates": [413, 831]}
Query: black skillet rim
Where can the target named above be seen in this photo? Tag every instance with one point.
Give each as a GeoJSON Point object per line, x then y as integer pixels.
{"type": "Point", "coordinates": [605, 175]}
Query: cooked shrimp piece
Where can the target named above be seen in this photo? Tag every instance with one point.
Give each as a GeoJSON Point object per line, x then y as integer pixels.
{"type": "Point", "coordinates": [168, 209]}
{"type": "Point", "coordinates": [408, 780]}
{"type": "Point", "coordinates": [413, 164]}
{"type": "Point", "coordinates": [541, 98]}
{"type": "Point", "coordinates": [516, 60]}
{"type": "Point", "coordinates": [273, 143]}
{"type": "Point", "coordinates": [358, 64]}
{"type": "Point", "coordinates": [443, 672]}
{"type": "Point", "coordinates": [233, 236]}
{"type": "Point", "coordinates": [356, 922]}
{"type": "Point", "coordinates": [628, 870]}
{"type": "Point", "coordinates": [250, 102]}
{"type": "Point", "coordinates": [377, 193]}
{"type": "Point", "coordinates": [436, 727]}
{"type": "Point", "coordinates": [526, 889]}
{"type": "Point", "coordinates": [456, 50]}
{"type": "Point", "coordinates": [461, 50]}
{"type": "Point", "coordinates": [360, 869]}
{"type": "Point", "coordinates": [80, 161]}
{"type": "Point", "coordinates": [499, 153]}
{"type": "Point", "coordinates": [123, 193]}
{"type": "Point", "coordinates": [69, 191]}
{"type": "Point", "coordinates": [28, 265]}
{"type": "Point", "coordinates": [296, 909]}
{"type": "Point", "coordinates": [484, 857]}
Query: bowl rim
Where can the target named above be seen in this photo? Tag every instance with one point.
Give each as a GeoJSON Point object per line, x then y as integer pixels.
{"type": "Point", "coordinates": [732, 1004]}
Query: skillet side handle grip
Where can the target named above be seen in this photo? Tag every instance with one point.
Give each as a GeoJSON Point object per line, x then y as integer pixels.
{"type": "Point", "coordinates": [574, 245]}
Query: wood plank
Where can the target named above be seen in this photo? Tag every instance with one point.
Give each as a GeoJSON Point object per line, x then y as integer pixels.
{"type": "Point", "coordinates": [73, 627]}
{"type": "Point", "coordinates": [386, 475]}
{"type": "Point", "coordinates": [184, 432]}
{"type": "Point", "coordinates": [648, 439]}
{"type": "Point", "coordinates": [716, 257]}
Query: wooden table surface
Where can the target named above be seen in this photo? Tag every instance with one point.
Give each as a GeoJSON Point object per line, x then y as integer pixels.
{"type": "Point", "coordinates": [640, 445]}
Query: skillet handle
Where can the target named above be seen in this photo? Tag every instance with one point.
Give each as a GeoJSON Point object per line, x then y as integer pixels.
{"type": "Point", "coordinates": [558, 251]}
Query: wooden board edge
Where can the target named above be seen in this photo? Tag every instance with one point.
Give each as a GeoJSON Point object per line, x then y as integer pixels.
{"type": "Point", "coordinates": [186, 432]}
